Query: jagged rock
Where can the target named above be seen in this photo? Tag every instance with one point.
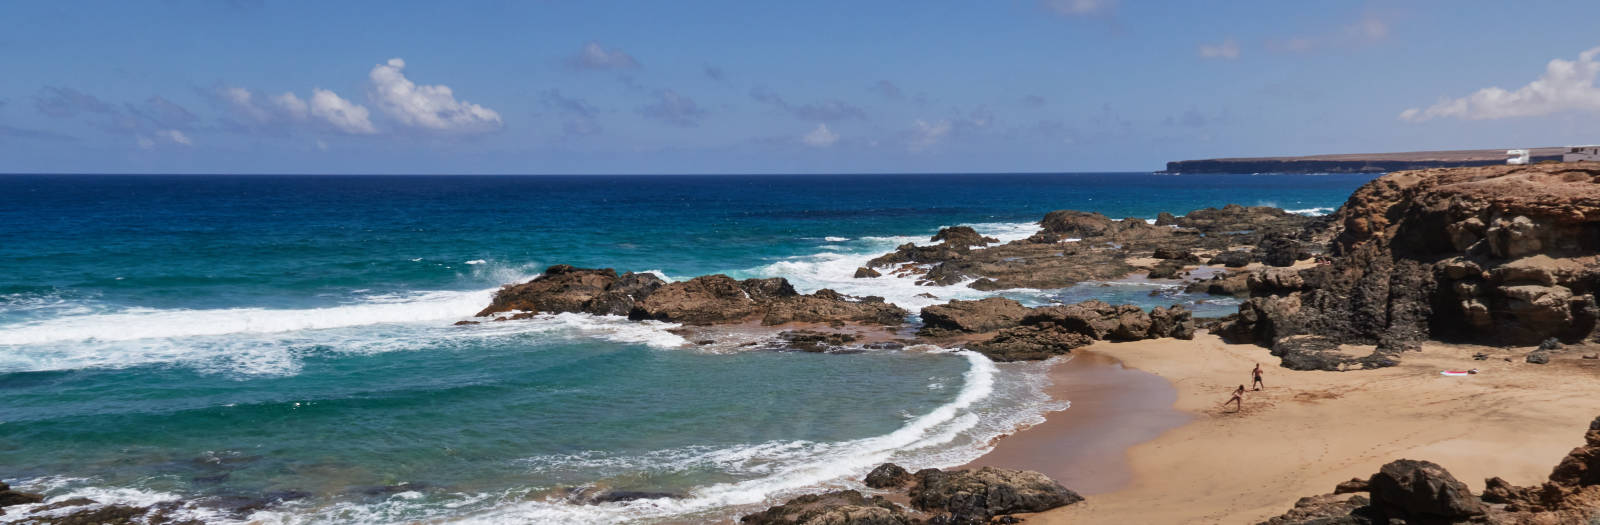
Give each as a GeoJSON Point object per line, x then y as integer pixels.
{"type": "Point", "coordinates": [867, 273]}
{"type": "Point", "coordinates": [828, 306]}
{"type": "Point", "coordinates": [962, 236]}
{"type": "Point", "coordinates": [987, 492]}
{"type": "Point", "coordinates": [971, 317]}
{"type": "Point", "coordinates": [708, 299]}
{"type": "Point", "coordinates": [1176, 254]}
{"type": "Point", "coordinates": [887, 475]}
{"type": "Point", "coordinates": [1176, 322]}
{"type": "Point", "coordinates": [1234, 283]}
{"type": "Point", "coordinates": [1538, 358]}
{"type": "Point", "coordinates": [1274, 281]}
{"type": "Point", "coordinates": [1550, 344]}
{"type": "Point", "coordinates": [1422, 491]}
{"type": "Point", "coordinates": [842, 507]}
{"type": "Point", "coordinates": [10, 497]}
{"type": "Point", "coordinates": [1327, 509]}
{"type": "Point", "coordinates": [1351, 486]}
{"type": "Point", "coordinates": [564, 288]}
{"type": "Point", "coordinates": [1280, 249]}
{"type": "Point", "coordinates": [1166, 270]}
{"type": "Point", "coordinates": [1232, 259]}
{"type": "Point", "coordinates": [1073, 223]}
{"type": "Point", "coordinates": [814, 341]}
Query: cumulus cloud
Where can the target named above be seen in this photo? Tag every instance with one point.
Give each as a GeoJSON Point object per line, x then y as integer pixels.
{"type": "Point", "coordinates": [1079, 7]}
{"type": "Point", "coordinates": [673, 108]}
{"type": "Point", "coordinates": [340, 113]}
{"type": "Point", "coordinates": [1228, 49]}
{"type": "Point", "coordinates": [432, 108]}
{"type": "Point", "coordinates": [827, 111]}
{"type": "Point", "coordinates": [1565, 86]}
{"type": "Point", "coordinates": [62, 102]}
{"type": "Point", "coordinates": [821, 137]}
{"type": "Point", "coordinates": [595, 56]}
{"type": "Point", "coordinates": [259, 111]}
{"type": "Point", "coordinates": [926, 134]}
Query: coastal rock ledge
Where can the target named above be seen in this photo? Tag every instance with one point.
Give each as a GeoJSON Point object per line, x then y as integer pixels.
{"type": "Point", "coordinates": [705, 300]}
{"type": "Point", "coordinates": [937, 497]}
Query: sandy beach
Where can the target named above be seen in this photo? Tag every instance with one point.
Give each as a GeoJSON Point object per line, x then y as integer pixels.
{"type": "Point", "coordinates": [1192, 461]}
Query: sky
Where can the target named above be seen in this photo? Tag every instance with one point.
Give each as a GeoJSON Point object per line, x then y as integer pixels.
{"type": "Point", "coordinates": [261, 86]}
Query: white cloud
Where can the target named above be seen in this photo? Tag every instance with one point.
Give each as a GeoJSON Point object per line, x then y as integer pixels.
{"type": "Point", "coordinates": [1080, 7]}
{"type": "Point", "coordinates": [342, 114]}
{"type": "Point", "coordinates": [926, 134]}
{"type": "Point", "coordinates": [276, 110]}
{"type": "Point", "coordinates": [1565, 86]}
{"type": "Point", "coordinates": [177, 137]}
{"type": "Point", "coordinates": [821, 137]}
{"type": "Point", "coordinates": [428, 107]}
{"type": "Point", "coordinates": [1228, 49]}
{"type": "Point", "coordinates": [595, 56]}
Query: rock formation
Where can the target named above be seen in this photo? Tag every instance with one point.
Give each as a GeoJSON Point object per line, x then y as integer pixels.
{"type": "Point", "coordinates": [704, 300]}
{"type": "Point", "coordinates": [953, 497]}
{"type": "Point", "coordinates": [1498, 254]}
{"type": "Point", "coordinates": [1049, 331]}
{"type": "Point", "coordinates": [1413, 491]}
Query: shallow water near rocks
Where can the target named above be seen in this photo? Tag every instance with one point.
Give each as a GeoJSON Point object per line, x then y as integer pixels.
{"type": "Point", "coordinates": [284, 344]}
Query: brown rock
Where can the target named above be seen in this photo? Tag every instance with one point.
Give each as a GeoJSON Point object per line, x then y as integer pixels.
{"type": "Point", "coordinates": [971, 317]}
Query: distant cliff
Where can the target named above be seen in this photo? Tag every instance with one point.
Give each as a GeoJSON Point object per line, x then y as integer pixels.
{"type": "Point", "coordinates": [1356, 163]}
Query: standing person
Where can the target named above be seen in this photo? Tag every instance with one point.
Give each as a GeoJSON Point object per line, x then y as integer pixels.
{"type": "Point", "coordinates": [1257, 384]}
{"type": "Point", "coordinates": [1237, 399]}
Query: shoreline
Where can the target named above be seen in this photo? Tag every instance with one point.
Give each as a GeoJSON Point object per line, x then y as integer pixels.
{"type": "Point", "coordinates": [1112, 408]}
{"type": "Point", "coordinates": [1303, 434]}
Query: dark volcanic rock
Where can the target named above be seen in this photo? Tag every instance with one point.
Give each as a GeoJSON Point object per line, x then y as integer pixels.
{"type": "Point", "coordinates": [867, 273]}
{"type": "Point", "coordinates": [1176, 254]}
{"type": "Point", "coordinates": [962, 236]}
{"type": "Point", "coordinates": [1328, 509]}
{"type": "Point", "coordinates": [1073, 223]}
{"type": "Point", "coordinates": [1281, 249]}
{"type": "Point", "coordinates": [887, 475]}
{"type": "Point", "coordinates": [1232, 259]}
{"type": "Point", "coordinates": [814, 341]}
{"type": "Point", "coordinates": [564, 288]}
{"type": "Point", "coordinates": [828, 306]}
{"type": "Point", "coordinates": [1168, 269]}
{"type": "Point", "coordinates": [1049, 331]}
{"type": "Point", "coordinates": [987, 492]}
{"type": "Point", "coordinates": [1495, 254]}
{"type": "Point", "coordinates": [10, 497]}
{"type": "Point", "coordinates": [971, 317]}
{"type": "Point", "coordinates": [1538, 358]}
{"type": "Point", "coordinates": [843, 507]}
{"type": "Point", "coordinates": [1422, 491]}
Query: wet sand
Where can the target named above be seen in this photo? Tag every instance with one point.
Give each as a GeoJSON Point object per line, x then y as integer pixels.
{"type": "Point", "coordinates": [1112, 409]}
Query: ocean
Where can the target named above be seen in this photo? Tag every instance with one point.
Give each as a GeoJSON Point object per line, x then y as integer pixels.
{"type": "Point", "coordinates": [281, 348]}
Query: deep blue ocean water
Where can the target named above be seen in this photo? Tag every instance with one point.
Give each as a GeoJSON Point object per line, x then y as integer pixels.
{"type": "Point", "coordinates": [228, 338]}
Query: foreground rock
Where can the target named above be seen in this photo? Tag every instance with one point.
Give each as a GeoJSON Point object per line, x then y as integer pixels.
{"type": "Point", "coordinates": [705, 300]}
{"type": "Point", "coordinates": [979, 495]}
{"type": "Point", "coordinates": [842, 507]}
{"type": "Point", "coordinates": [1497, 254]}
{"type": "Point", "coordinates": [1411, 491]}
{"type": "Point", "coordinates": [936, 496]}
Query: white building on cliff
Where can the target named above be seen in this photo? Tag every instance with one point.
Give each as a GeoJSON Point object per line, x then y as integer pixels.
{"type": "Point", "coordinates": [1581, 153]}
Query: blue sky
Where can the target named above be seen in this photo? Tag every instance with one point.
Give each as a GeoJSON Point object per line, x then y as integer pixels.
{"type": "Point", "coordinates": [764, 87]}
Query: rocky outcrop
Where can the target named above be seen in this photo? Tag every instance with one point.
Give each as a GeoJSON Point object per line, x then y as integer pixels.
{"type": "Point", "coordinates": [975, 496]}
{"type": "Point", "coordinates": [10, 497]}
{"type": "Point", "coordinates": [886, 476]}
{"type": "Point", "coordinates": [704, 300]}
{"type": "Point", "coordinates": [1076, 246]}
{"type": "Point", "coordinates": [1412, 491]}
{"type": "Point", "coordinates": [1498, 254]}
{"type": "Point", "coordinates": [842, 507]}
{"type": "Point", "coordinates": [971, 317]}
{"type": "Point", "coordinates": [564, 288]}
{"type": "Point", "coordinates": [1049, 331]}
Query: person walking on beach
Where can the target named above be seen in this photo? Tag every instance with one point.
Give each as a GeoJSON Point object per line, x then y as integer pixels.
{"type": "Point", "coordinates": [1237, 399]}
{"type": "Point", "coordinates": [1256, 384]}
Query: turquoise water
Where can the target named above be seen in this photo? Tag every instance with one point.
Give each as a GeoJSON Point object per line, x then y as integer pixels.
{"type": "Point", "coordinates": [238, 340]}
